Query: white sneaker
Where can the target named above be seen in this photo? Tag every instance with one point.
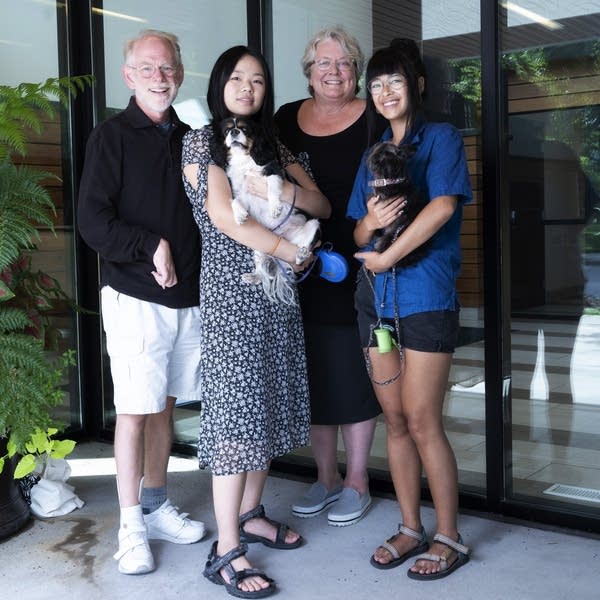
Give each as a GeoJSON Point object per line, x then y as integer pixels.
{"type": "Point", "coordinates": [134, 555]}
{"type": "Point", "coordinates": [165, 523]}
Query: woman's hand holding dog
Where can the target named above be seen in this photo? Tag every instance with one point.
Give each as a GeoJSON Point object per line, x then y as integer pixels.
{"type": "Point", "coordinates": [288, 252]}
{"type": "Point", "coordinates": [303, 266]}
{"type": "Point", "coordinates": [374, 261]}
{"type": "Point", "coordinates": [256, 184]}
{"type": "Point", "coordinates": [380, 214]}
{"type": "Point", "coordinates": [437, 212]}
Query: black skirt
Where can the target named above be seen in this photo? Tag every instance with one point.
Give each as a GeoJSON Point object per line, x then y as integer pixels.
{"type": "Point", "coordinates": [340, 388]}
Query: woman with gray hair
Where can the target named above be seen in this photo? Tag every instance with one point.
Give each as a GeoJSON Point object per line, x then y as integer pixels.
{"type": "Point", "coordinates": [328, 134]}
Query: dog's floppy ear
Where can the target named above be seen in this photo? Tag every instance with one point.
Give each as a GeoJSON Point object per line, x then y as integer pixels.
{"type": "Point", "coordinates": [375, 156]}
{"type": "Point", "coordinates": [218, 150]}
{"type": "Point", "coordinates": [406, 150]}
{"type": "Point", "coordinates": [261, 151]}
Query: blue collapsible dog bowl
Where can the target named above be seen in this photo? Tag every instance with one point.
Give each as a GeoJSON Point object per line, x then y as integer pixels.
{"type": "Point", "coordinates": [333, 266]}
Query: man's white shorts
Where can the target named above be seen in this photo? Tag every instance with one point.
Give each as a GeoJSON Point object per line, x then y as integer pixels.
{"type": "Point", "coordinates": [154, 352]}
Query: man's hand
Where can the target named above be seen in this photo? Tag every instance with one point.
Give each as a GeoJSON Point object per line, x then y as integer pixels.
{"type": "Point", "coordinates": [163, 262]}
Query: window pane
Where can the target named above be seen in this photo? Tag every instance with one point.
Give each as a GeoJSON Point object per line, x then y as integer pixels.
{"type": "Point", "coordinates": [551, 61]}
{"type": "Point", "coordinates": [204, 28]}
{"type": "Point", "coordinates": [33, 54]}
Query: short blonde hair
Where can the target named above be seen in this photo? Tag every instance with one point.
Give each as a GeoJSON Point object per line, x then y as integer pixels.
{"type": "Point", "coordinates": [349, 45]}
{"type": "Point", "coordinates": [170, 38]}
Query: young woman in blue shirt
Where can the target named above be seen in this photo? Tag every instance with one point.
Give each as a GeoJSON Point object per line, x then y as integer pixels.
{"type": "Point", "coordinates": [419, 306]}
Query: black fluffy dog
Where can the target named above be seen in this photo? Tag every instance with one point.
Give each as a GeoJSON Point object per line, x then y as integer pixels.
{"type": "Point", "coordinates": [389, 165]}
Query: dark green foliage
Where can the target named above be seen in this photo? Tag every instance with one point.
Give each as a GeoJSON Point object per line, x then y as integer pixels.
{"type": "Point", "coordinates": [21, 106]}
{"type": "Point", "coordinates": [29, 385]}
{"type": "Point", "coordinates": [30, 377]}
{"type": "Point", "coordinates": [24, 203]}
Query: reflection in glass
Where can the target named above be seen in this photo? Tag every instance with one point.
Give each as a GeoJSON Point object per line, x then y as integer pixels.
{"type": "Point", "coordinates": [554, 192]}
{"type": "Point", "coordinates": [445, 43]}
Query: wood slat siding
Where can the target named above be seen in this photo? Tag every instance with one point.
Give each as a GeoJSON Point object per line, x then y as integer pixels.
{"type": "Point", "coordinates": [55, 257]}
{"type": "Point", "coordinates": [470, 282]}
{"type": "Point", "coordinates": [44, 152]}
{"type": "Point", "coordinates": [569, 84]}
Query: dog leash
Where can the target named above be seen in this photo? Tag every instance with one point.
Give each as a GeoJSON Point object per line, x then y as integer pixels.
{"type": "Point", "coordinates": [289, 212]}
{"type": "Point", "coordinates": [372, 328]}
{"type": "Point", "coordinates": [305, 274]}
{"type": "Point", "coordinates": [279, 263]}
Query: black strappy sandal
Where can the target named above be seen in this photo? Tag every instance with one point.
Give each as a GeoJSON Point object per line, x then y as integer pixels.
{"type": "Point", "coordinates": [216, 563]}
{"type": "Point", "coordinates": [282, 529]}
{"type": "Point", "coordinates": [397, 558]}
{"type": "Point", "coordinates": [446, 568]}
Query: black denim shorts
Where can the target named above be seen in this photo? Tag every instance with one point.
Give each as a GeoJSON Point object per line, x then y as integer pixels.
{"type": "Point", "coordinates": [433, 331]}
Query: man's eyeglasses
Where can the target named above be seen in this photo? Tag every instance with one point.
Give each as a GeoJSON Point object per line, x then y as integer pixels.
{"type": "Point", "coordinates": [395, 82]}
{"type": "Point", "coordinates": [343, 64]}
{"type": "Point", "coordinates": [147, 71]}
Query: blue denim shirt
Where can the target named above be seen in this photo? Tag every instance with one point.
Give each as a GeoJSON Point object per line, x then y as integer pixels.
{"type": "Point", "coordinates": [438, 168]}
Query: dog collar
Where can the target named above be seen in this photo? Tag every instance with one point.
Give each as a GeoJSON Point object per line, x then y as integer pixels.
{"type": "Point", "coordinates": [384, 182]}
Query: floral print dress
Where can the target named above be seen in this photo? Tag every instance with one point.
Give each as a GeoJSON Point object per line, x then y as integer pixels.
{"type": "Point", "coordinates": [254, 390]}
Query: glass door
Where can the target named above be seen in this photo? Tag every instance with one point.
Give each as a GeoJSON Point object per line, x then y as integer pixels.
{"type": "Point", "coordinates": [550, 62]}
{"type": "Point", "coordinates": [451, 52]}
{"type": "Point", "coordinates": [205, 29]}
{"type": "Point", "coordinates": [33, 54]}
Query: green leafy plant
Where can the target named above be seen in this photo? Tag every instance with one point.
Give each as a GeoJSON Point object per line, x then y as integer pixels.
{"type": "Point", "coordinates": [38, 450]}
{"type": "Point", "coordinates": [21, 107]}
{"type": "Point", "coordinates": [31, 294]}
{"type": "Point", "coordinates": [528, 65]}
{"type": "Point", "coordinates": [30, 375]}
{"type": "Point", "coordinates": [24, 203]}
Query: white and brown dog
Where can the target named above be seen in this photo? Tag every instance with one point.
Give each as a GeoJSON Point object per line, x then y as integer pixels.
{"type": "Point", "coordinates": [239, 147]}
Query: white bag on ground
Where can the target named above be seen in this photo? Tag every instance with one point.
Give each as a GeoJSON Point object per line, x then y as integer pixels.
{"type": "Point", "coordinates": [51, 496]}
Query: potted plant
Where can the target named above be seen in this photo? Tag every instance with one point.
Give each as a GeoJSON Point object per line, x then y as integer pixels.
{"type": "Point", "coordinates": [30, 376]}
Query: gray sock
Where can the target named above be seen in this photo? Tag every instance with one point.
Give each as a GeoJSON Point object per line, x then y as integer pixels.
{"type": "Point", "coordinates": [153, 498]}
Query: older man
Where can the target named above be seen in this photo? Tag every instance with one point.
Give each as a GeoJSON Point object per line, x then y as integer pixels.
{"type": "Point", "coordinates": [134, 212]}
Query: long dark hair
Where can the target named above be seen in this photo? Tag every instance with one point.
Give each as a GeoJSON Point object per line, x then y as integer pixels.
{"type": "Point", "coordinates": [219, 76]}
{"type": "Point", "coordinates": [401, 56]}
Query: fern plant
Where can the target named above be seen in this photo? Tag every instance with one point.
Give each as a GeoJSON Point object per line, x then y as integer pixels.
{"type": "Point", "coordinates": [30, 380]}
{"type": "Point", "coordinates": [21, 107]}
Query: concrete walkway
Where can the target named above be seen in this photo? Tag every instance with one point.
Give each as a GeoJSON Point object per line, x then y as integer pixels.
{"type": "Point", "coordinates": [70, 557]}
